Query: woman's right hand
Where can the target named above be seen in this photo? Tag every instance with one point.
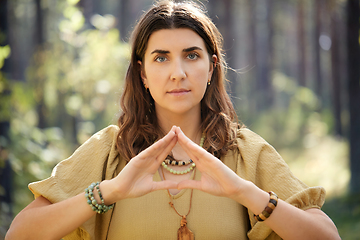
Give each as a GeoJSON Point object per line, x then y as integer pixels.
{"type": "Point", "coordinates": [136, 178]}
{"type": "Point", "coordinates": [43, 220]}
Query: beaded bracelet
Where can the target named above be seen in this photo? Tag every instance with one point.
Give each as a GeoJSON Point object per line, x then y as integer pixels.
{"type": "Point", "coordinates": [268, 209]}
{"type": "Point", "coordinates": [89, 194]}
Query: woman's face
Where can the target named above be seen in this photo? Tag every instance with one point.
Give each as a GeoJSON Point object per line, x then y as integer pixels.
{"type": "Point", "coordinates": [176, 68]}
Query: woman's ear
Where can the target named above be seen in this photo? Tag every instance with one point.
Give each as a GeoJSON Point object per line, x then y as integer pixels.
{"type": "Point", "coordinates": [142, 73]}
{"type": "Point", "coordinates": [213, 61]}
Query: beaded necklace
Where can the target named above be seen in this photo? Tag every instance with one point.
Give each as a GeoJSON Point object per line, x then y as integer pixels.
{"type": "Point", "coordinates": [171, 161]}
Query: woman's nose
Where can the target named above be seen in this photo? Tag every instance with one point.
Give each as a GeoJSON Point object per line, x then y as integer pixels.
{"type": "Point", "coordinates": [178, 70]}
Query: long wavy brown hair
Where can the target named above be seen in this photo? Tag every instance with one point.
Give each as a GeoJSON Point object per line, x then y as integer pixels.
{"type": "Point", "coordinates": [138, 123]}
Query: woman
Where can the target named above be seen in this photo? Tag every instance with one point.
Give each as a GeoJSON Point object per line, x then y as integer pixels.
{"type": "Point", "coordinates": [178, 133]}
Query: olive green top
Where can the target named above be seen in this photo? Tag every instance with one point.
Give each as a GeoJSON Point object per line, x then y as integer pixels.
{"type": "Point", "coordinates": [151, 217]}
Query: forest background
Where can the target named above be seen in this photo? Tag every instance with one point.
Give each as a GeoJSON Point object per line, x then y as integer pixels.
{"type": "Point", "coordinates": [294, 79]}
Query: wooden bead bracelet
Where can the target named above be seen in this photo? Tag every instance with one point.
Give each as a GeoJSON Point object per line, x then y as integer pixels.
{"type": "Point", "coordinates": [268, 209]}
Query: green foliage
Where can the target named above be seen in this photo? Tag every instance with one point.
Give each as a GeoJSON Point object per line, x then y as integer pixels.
{"type": "Point", "coordinates": [71, 90]}
{"type": "Point", "coordinates": [301, 132]}
{"type": "Point", "coordinates": [5, 113]}
{"type": "Point", "coordinates": [292, 116]}
{"type": "Point", "coordinates": [4, 85]}
{"type": "Point", "coordinates": [345, 212]}
{"type": "Point", "coordinates": [4, 53]}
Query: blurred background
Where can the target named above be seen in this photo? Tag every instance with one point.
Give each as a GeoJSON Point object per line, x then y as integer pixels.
{"type": "Point", "coordinates": [294, 78]}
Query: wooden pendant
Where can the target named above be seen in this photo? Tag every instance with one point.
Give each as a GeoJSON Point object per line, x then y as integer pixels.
{"type": "Point", "coordinates": [184, 233]}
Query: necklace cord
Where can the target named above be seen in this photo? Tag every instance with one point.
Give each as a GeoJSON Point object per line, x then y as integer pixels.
{"type": "Point", "coordinates": [183, 231]}
{"type": "Point", "coordinates": [171, 201]}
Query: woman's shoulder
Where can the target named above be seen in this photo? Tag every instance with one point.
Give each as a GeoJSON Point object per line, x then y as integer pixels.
{"type": "Point", "coordinates": [246, 137]}
{"type": "Point", "coordinates": [107, 131]}
{"type": "Point", "coordinates": [252, 145]}
{"type": "Point", "coordinates": [102, 143]}
{"type": "Point", "coordinates": [106, 135]}
{"type": "Point", "coordinates": [248, 145]}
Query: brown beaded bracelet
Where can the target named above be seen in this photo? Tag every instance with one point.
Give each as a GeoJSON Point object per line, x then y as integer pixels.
{"type": "Point", "coordinates": [268, 209]}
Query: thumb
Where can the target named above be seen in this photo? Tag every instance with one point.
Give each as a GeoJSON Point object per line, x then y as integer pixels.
{"type": "Point", "coordinates": [192, 184]}
{"type": "Point", "coordinates": [167, 184]}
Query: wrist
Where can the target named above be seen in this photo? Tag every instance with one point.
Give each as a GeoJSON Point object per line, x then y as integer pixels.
{"type": "Point", "coordinates": [245, 187]}
{"type": "Point", "coordinates": [108, 192]}
{"type": "Point", "coordinates": [252, 197]}
{"type": "Point", "coordinates": [95, 199]}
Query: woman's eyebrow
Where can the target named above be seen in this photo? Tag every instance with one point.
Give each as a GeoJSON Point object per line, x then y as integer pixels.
{"type": "Point", "coordinates": [184, 50]}
{"type": "Point", "coordinates": [192, 49]}
{"type": "Point", "coordinates": [160, 51]}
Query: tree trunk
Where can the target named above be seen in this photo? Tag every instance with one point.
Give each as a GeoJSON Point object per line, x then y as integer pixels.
{"type": "Point", "coordinates": [124, 18]}
{"type": "Point", "coordinates": [222, 14]}
{"type": "Point", "coordinates": [353, 15]}
{"type": "Point", "coordinates": [224, 11]}
{"type": "Point", "coordinates": [252, 56]}
{"type": "Point", "coordinates": [38, 41]}
{"type": "Point", "coordinates": [265, 55]}
{"type": "Point", "coordinates": [39, 28]}
{"type": "Point", "coordinates": [87, 9]}
{"type": "Point", "coordinates": [229, 41]}
{"type": "Point", "coordinates": [6, 178]}
{"type": "Point", "coordinates": [301, 45]}
{"type": "Point", "coordinates": [261, 55]}
{"type": "Point", "coordinates": [317, 62]}
{"type": "Point", "coordinates": [335, 69]}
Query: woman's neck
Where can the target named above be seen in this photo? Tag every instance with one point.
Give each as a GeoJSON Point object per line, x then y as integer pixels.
{"type": "Point", "coordinates": [189, 124]}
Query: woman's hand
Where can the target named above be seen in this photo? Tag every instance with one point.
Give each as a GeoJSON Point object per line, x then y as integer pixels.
{"type": "Point", "coordinates": [136, 178]}
{"type": "Point", "coordinates": [216, 178]}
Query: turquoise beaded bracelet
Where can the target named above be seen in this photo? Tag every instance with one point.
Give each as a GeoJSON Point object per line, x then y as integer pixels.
{"type": "Point", "coordinates": [89, 194]}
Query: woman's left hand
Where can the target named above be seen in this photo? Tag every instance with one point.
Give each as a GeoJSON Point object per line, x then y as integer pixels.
{"type": "Point", "coordinates": [216, 178]}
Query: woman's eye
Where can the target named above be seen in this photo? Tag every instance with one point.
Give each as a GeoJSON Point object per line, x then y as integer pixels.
{"type": "Point", "coordinates": [160, 59]}
{"type": "Point", "coordinates": [192, 56]}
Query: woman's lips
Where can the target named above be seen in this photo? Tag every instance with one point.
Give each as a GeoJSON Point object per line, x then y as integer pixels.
{"type": "Point", "coordinates": [178, 92]}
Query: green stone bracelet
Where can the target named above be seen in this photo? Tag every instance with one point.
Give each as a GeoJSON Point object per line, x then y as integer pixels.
{"type": "Point", "coordinates": [100, 195]}
{"type": "Point", "coordinates": [89, 194]}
